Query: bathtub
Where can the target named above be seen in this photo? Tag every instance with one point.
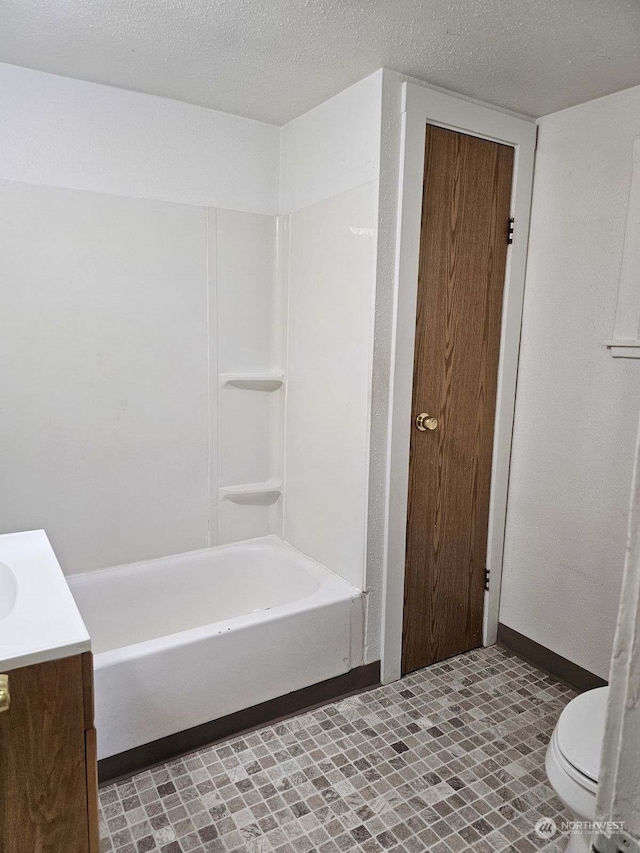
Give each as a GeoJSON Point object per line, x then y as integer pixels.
{"type": "Point", "coordinates": [184, 640]}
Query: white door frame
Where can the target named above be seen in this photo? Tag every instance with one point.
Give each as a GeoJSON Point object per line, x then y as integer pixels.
{"type": "Point", "coordinates": [422, 106]}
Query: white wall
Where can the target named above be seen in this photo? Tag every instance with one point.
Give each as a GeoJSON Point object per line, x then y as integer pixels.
{"type": "Point", "coordinates": [69, 133]}
{"type": "Point", "coordinates": [329, 157]}
{"type": "Point", "coordinates": [332, 148]}
{"type": "Point", "coordinates": [577, 407]}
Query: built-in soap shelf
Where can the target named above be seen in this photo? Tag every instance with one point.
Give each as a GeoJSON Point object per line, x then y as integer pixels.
{"type": "Point", "coordinates": [263, 493]}
{"type": "Point", "coordinates": [253, 381]}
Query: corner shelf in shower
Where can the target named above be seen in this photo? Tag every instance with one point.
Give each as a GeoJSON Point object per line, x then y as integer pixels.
{"type": "Point", "coordinates": [258, 494]}
{"type": "Point", "coordinates": [253, 381]}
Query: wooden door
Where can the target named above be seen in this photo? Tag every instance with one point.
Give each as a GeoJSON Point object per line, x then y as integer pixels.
{"type": "Point", "coordinates": [463, 250]}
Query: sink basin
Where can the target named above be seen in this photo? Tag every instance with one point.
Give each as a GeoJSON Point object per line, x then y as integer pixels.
{"type": "Point", "coordinates": [39, 619]}
{"type": "Point", "coordinates": [8, 590]}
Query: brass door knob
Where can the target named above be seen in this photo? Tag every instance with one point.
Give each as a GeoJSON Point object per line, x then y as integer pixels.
{"type": "Point", "coordinates": [4, 693]}
{"type": "Point", "coordinates": [425, 422]}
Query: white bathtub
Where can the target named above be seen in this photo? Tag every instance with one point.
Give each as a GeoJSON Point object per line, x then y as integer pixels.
{"type": "Point", "coordinates": [183, 640]}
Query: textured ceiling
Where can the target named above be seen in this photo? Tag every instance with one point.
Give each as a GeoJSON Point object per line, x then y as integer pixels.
{"type": "Point", "coordinates": [275, 59]}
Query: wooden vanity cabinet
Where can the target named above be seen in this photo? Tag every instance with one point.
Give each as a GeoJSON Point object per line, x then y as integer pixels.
{"type": "Point", "coordinates": [48, 760]}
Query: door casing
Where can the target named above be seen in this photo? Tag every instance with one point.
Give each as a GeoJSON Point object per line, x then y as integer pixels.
{"type": "Point", "coordinates": [422, 106]}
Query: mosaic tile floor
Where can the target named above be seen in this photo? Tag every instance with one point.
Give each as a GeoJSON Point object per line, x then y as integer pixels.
{"type": "Point", "coordinates": [450, 758]}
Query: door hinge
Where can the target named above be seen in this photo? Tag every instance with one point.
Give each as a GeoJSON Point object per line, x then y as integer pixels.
{"type": "Point", "coordinates": [486, 579]}
{"type": "Point", "coordinates": [510, 230]}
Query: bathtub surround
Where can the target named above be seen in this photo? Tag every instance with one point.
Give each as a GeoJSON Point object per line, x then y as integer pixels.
{"type": "Point", "coordinates": [331, 243]}
{"type": "Point", "coordinates": [123, 437]}
{"type": "Point", "coordinates": [247, 346]}
{"type": "Point", "coordinates": [328, 167]}
{"type": "Point", "coordinates": [157, 267]}
{"type": "Point", "coordinates": [259, 317]}
{"type": "Point", "coordinates": [577, 407]}
{"type": "Point", "coordinates": [104, 383]}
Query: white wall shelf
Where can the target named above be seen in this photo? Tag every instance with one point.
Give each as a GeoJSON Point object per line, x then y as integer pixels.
{"type": "Point", "coordinates": [253, 381]}
{"type": "Point", "coordinates": [263, 493]}
{"type": "Point", "coordinates": [626, 334]}
{"type": "Point", "coordinates": [624, 348]}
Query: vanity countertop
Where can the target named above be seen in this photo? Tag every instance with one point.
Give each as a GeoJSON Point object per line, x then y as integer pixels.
{"type": "Point", "coordinates": [39, 619]}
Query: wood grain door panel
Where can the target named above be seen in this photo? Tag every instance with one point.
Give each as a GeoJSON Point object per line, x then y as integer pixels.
{"type": "Point", "coordinates": [463, 248]}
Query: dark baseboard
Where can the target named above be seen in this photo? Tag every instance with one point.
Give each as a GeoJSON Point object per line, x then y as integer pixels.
{"type": "Point", "coordinates": [542, 657]}
{"type": "Point", "coordinates": [158, 751]}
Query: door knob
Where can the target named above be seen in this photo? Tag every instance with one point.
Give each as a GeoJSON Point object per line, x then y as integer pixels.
{"type": "Point", "coordinates": [425, 422]}
{"type": "Point", "coordinates": [4, 693]}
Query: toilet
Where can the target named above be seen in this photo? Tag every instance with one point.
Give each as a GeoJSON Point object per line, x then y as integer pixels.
{"type": "Point", "coordinates": [573, 759]}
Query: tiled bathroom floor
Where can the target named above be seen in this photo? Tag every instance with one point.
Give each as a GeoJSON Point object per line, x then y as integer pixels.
{"type": "Point", "coordinates": [450, 758]}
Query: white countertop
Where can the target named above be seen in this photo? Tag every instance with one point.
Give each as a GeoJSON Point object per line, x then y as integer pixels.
{"type": "Point", "coordinates": [39, 619]}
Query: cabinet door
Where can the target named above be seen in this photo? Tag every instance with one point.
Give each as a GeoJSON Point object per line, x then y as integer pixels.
{"type": "Point", "coordinates": [43, 781]}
